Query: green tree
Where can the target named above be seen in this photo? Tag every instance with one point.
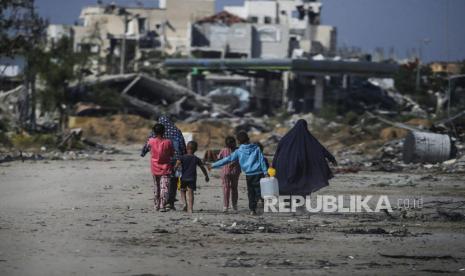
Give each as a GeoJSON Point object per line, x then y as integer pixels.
{"type": "Point", "coordinates": [405, 79]}
{"type": "Point", "coordinates": [22, 33]}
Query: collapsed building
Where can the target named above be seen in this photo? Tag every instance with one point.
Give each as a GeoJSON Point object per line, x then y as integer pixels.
{"type": "Point", "coordinates": [142, 95]}
{"type": "Point", "coordinates": [298, 85]}
{"type": "Point", "coordinates": [282, 54]}
{"type": "Point", "coordinates": [269, 38]}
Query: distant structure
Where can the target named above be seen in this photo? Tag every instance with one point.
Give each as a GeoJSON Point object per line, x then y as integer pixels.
{"type": "Point", "coordinates": [120, 36]}
{"type": "Point", "coordinates": [453, 68]}
{"type": "Point", "coordinates": [124, 39]}
{"type": "Point", "coordinates": [225, 35]}
{"type": "Point", "coordinates": [55, 32]}
{"type": "Point", "coordinates": [262, 37]}
{"type": "Point", "coordinates": [301, 17]}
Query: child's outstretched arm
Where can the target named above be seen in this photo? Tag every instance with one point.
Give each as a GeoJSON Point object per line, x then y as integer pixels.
{"type": "Point", "coordinates": [146, 147]}
{"type": "Point", "coordinates": [231, 158]}
{"type": "Point", "coordinates": [202, 167]}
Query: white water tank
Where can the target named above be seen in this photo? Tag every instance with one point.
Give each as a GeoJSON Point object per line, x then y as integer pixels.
{"type": "Point", "coordinates": [162, 4]}
{"type": "Point", "coordinates": [426, 147]}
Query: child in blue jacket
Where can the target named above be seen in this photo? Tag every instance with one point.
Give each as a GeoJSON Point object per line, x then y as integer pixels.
{"type": "Point", "coordinates": [252, 163]}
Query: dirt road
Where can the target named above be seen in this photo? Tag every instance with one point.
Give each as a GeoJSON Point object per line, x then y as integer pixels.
{"type": "Point", "coordinates": [96, 218]}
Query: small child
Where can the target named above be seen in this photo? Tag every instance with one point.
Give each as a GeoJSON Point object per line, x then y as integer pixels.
{"type": "Point", "coordinates": [252, 163]}
{"type": "Point", "coordinates": [162, 151]}
{"type": "Point", "coordinates": [189, 163]}
{"type": "Point", "coordinates": [229, 175]}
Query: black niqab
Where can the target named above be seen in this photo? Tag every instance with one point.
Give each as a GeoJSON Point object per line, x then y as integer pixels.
{"type": "Point", "coordinates": [301, 162]}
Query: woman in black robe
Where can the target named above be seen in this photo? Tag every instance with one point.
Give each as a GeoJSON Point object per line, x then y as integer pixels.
{"type": "Point", "coordinates": [301, 162]}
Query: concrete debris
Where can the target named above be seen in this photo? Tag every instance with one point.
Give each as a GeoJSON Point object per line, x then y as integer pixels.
{"type": "Point", "coordinates": [149, 97]}
{"type": "Point", "coordinates": [9, 105]}
{"type": "Point", "coordinates": [251, 125]}
{"type": "Point", "coordinates": [91, 109]}
{"type": "Point", "coordinates": [312, 120]}
{"type": "Point", "coordinates": [395, 124]}
{"type": "Point", "coordinates": [359, 144]}
{"type": "Point", "coordinates": [235, 99]}
{"type": "Point", "coordinates": [452, 119]}
{"type": "Point", "coordinates": [409, 106]}
{"type": "Point", "coordinates": [71, 145]}
{"type": "Point", "coordinates": [74, 140]}
{"type": "Point", "coordinates": [92, 154]}
{"type": "Point", "coordinates": [456, 166]}
{"type": "Point", "coordinates": [270, 142]}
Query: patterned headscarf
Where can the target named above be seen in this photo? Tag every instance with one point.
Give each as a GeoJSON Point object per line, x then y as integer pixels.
{"type": "Point", "coordinates": [175, 135]}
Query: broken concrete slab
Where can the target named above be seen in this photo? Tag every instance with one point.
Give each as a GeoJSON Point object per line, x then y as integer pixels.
{"type": "Point", "coordinates": [151, 97]}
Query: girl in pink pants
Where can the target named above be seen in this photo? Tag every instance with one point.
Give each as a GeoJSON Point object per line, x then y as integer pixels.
{"type": "Point", "coordinates": [229, 175]}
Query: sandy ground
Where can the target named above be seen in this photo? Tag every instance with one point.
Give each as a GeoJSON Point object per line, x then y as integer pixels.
{"type": "Point", "coordinates": [96, 218]}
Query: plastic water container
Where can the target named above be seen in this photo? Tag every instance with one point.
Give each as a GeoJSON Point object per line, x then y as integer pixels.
{"type": "Point", "coordinates": [269, 185]}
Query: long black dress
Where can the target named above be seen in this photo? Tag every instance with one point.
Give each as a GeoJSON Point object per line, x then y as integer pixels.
{"type": "Point", "coordinates": [301, 162]}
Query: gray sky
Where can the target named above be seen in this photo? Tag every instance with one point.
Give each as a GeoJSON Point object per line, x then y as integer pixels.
{"type": "Point", "coordinates": [365, 23]}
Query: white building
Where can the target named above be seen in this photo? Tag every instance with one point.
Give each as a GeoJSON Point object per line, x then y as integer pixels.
{"type": "Point", "coordinates": [56, 31]}
{"type": "Point", "coordinates": [107, 31]}
{"type": "Point", "coordinates": [302, 17]}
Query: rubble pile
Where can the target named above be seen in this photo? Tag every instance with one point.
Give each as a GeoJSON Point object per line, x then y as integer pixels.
{"type": "Point", "coordinates": [97, 155]}
{"type": "Point", "coordinates": [147, 96]}
{"type": "Point", "coordinates": [71, 145]}
{"type": "Point", "coordinates": [369, 144]}
{"type": "Point", "coordinates": [9, 105]}
{"type": "Point", "coordinates": [14, 112]}
{"type": "Point", "coordinates": [360, 142]}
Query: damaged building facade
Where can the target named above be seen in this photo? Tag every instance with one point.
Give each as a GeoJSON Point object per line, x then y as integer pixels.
{"type": "Point", "coordinates": [124, 39]}
{"type": "Point", "coordinates": [264, 30]}
{"type": "Point", "coordinates": [302, 18]}
{"type": "Point", "coordinates": [121, 39]}
{"type": "Point", "coordinates": [267, 38]}
{"type": "Point", "coordinates": [225, 35]}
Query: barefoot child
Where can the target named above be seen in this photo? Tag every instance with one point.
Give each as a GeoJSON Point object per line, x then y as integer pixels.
{"type": "Point", "coordinates": [229, 175]}
{"type": "Point", "coordinates": [189, 163]}
{"type": "Point", "coordinates": [162, 151]}
{"type": "Point", "coordinates": [252, 164]}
